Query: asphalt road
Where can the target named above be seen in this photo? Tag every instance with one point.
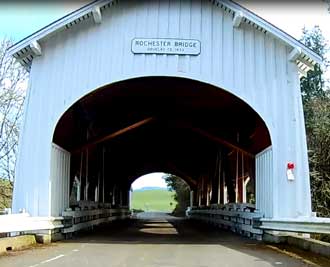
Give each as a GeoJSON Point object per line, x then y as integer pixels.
{"type": "Point", "coordinates": [152, 240]}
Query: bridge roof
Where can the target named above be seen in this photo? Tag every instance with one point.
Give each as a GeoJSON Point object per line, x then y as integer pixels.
{"type": "Point", "coordinates": [26, 49]}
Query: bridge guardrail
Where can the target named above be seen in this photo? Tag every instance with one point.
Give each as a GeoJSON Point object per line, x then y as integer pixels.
{"type": "Point", "coordinates": [70, 221]}
{"type": "Point", "coordinates": [23, 222]}
{"type": "Point", "coordinates": [83, 219]}
{"type": "Point", "coordinates": [297, 225]}
{"type": "Point", "coordinates": [239, 218]}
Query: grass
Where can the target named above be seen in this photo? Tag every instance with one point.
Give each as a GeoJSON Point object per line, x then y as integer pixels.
{"type": "Point", "coordinates": [153, 200]}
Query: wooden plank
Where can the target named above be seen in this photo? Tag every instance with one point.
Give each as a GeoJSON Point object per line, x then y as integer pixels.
{"type": "Point", "coordinates": [115, 134]}
{"type": "Point", "coordinates": [221, 141]}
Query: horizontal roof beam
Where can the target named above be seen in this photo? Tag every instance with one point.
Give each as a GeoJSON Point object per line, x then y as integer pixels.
{"type": "Point", "coordinates": [221, 141]}
{"type": "Point", "coordinates": [97, 15]}
{"type": "Point", "coordinates": [294, 54]}
{"type": "Point", "coordinates": [115, 134]}
{"type": "Point", "coordinates": [238, 19]}
{"type": "Point", "coordinates": [36, 48]}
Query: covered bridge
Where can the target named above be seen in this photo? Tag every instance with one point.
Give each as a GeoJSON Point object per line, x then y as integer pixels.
{"type": "Point", "coordinates": [205, 90]}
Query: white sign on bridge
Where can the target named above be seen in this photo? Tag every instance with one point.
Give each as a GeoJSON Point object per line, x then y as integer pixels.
{"type": "Point", "coordinates": [166, 46]}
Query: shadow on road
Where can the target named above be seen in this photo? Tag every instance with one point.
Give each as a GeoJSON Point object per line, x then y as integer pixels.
{"type": "Point", "coordinates": [160, 228]}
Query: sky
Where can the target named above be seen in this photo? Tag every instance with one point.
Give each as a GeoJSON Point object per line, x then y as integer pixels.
{"type": "Point", "coordinates": [153, 179]}
{"type": "Point", "coordinates": [19, 19]}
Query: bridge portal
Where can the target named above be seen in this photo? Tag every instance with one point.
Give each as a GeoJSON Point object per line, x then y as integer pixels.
{"type": "Point", "coordinates": [203, 89]}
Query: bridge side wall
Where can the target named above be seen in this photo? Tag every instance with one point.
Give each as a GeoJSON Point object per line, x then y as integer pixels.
{"type": "Point", "coordinates": [264, 182]}
{"type": "Point", "coordinates": [251, 64]}
{"type": "Point", "coordinates": [59, 185]}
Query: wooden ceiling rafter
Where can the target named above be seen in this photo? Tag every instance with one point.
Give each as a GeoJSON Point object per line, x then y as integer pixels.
{"type": "Point", "coordinates": [114, 134]}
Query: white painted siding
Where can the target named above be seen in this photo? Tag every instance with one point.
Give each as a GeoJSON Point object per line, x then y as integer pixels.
{"type": "Point", "coordinates": [264, 182]}
{"type": "Point", "coordinates": [245, 61]}
{"type": "Point", "coordinates": [59, 184]}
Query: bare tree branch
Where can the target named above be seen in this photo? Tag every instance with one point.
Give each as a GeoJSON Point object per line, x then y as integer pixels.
{"type": "Point", "coordinates": [13, 80]}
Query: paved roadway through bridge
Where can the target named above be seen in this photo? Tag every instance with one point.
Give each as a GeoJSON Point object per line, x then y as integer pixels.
{"type": "Point", "coordinates": [152, 240]}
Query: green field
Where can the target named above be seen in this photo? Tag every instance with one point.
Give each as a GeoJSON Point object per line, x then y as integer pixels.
{"type": "Point", "coordinates": [153, 200]}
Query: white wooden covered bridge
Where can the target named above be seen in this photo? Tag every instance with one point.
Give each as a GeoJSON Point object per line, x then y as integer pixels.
{"type": "Point", "coordinates": [205, 90]}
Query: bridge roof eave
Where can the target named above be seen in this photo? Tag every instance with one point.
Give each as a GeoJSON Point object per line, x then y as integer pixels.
{"type": "Point", "coordinates": [23, 50]}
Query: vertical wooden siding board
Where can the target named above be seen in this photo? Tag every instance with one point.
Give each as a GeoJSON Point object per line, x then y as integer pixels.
{"type": "Point", "coordinates": [257, 183]}
{"type": "Point", "coordinates": [184, 33]}
{"type": "Point", "coordinates": [284, 146]}
{"type": "Point", "coordinates": [195, 33]}
{"type": "Point", "coordinates": [129, 24]}
{"type": "Point", "coordinates": [59, 181]}
{"type": "Point", "coordinates": [65, 183]}
{"type": "Point", "coordinates": [268, 202]}
{"type": "Point", "coordinates": [57, 196]}
{"type": "Point", "coordinates": [68, 175]}
{"type": "Point", "coordinates": [152, 30]}
{"type": "Point", "coordinates": [239, 78]}
{"type": "Point", "coordinates": [163, 28]}
{"type": "Point", "coordinates": [54, 184]}
{"type": "Point", "coordinates": [249, 62]}
{"type": "Point", "coordinates": [269, 75]}
{"type": "Point", "coordinates": [217, 39]}
{"type": "Point", "coordinates": [40, 136]}
{"type": "Point", "coordinates": [263, 182]}
{"type": "Point", "coordinates": [260, 80]}
{"type": "Point", "coordinates": [275, 127]}
{"type": "Point", "coordinates": [206, 36]}
{"type": "Point", "coordinates": [96, 57]}
{"type": "Point", "coordinates": [138, 59]}
{"type": "Point", "coordinates": [228, 54]}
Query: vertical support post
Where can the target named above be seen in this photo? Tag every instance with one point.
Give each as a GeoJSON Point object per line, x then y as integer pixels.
{"type": "Point", "coordinates": [120, 198]}
{"type": "Point", "coordinates": [236, 187]}
{"type": "Point", "coordinates": [113, 196]}
{"type": "Point", "coordinates": [220, 181]}
{"type": "Point", "coordinates": [216, 180]}
{"type": "Point", "coordinates": [207, 194]}
{"type": "Point", "coordinates": [103, 155]}
{"type": "Point", "coordinates": [202, 191]}
{"type": "Point", "coordinates": [243, 192]}
{"type": "Point", "coordinates": [86, 185]}
{"type": "Point", "coordinates": [199, 192]}
{"type": "Point", "coordinates": [96, 197]}
{"type": "Point", "coordinates": [191, 198]}
{"type": "Point", "coordinates": [80, 176]}
{"type": "Point", "coordinates": [98, 187]}
{"type": "Point", "coordinates": [246, 182]}
{"type": "Point", "coordinates": [129, 198]}
{"type": "Point", "coordinates": [225, 195]}
{"type": "Point", "coordinates": [220, 188]}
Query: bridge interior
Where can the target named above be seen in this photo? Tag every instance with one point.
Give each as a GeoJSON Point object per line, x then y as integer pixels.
{"type": "Point", "coordinates": [127, 129]}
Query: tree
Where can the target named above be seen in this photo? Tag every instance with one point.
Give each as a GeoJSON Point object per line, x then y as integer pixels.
{"type": "Point", "coordinates": [312, 86]}
{"type": "Point", "coordinates": [319, 144]}
{"type": "Point", "coordinates": [182, 192]}
{"type": "Point", "coordinates": [316, 101]}
{"type": "Point", "coordinates": [13, 79]}
{"type": "Point", "coordinates": [6, 189]}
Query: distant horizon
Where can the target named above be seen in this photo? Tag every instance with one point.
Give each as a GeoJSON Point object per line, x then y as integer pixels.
{"type": "Point", "coordinates": [150, 180]}
{"type": "Point", "coordinates": [146, 188]}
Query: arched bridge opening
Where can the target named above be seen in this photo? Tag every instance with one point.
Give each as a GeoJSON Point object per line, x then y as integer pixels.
{"type": "Point", "coordinates": [117, 133]}
{"type": "Point", "coordinates": [159, 192]}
